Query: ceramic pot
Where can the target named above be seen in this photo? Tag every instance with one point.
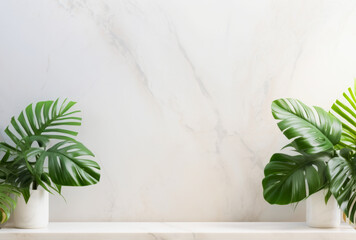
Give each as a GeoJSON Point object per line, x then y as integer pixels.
{"type": "Point", "coordinates": [34, 214]}
{"type": "Point", "coordinates": [321, 215]}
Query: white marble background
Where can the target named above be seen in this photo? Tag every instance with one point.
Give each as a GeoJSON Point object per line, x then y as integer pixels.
{"type": "Point", "coordinates": [175, 95]}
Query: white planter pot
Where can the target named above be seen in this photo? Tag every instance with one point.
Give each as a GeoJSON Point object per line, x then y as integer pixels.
{"type": "Point", "coordinates": [322, 215]}
{"type": "Point", "coordinates": [34, 214]}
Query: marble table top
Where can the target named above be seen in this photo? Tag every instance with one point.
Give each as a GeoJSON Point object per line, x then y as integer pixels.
{"type": "Point", "coordinates": [178, 230]}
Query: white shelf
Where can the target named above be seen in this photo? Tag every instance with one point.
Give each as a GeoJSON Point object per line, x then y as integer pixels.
{"type": "Point", "coordinates": [177, 231]}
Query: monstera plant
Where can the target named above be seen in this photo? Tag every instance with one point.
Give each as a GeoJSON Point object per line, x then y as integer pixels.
{"type": "Point", "coordinates": [322, 156]}
{"type": "Point", "coordinates": [42, 151]}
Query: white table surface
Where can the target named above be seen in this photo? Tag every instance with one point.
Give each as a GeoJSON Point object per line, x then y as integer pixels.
{"type": "Point", "coordinates": [178, 230]}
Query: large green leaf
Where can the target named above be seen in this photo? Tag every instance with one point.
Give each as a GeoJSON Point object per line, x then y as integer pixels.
{"type": "Point", "coordinates": [346, 112]}
{"type": "Point", "coordinates": [42, 122]}
{"type": "Point", "coordinates": [68, 165]}
{"type": "Point", "coordinates": [312, 130]}
{"type": "Point", "coordinates": [342, 173]}
{"type": "Point", "coordinates": [289, 179]}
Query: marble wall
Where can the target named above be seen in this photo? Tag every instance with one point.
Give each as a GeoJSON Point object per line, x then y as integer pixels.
{"type": "Point", "coordinates": [175, 95]}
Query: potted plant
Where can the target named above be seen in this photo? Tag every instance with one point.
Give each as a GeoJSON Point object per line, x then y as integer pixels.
{"type": "Point", "coordinates": [322, 164]}
{"type": "Point", "coordinates": [42, 157]}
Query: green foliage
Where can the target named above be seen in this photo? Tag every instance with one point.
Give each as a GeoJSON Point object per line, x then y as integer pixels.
{"type": "Point", "coordinates": [326, 153]}
{"type": "Point", "coordinates": [8, 194]}
{"type": "Point", "coordinates": [289, 179]}
{"type": "Point", "coordinates": [313, 133]}
{"type": "Point", "coordinates": [342, 168]}
{"type": "Point", "coordinates": [312, 130]}
{"type": "Point", "coordinates": [346, 112]}
{"type": "Point", "coordinates": [342, 174]}
{"type": "Point", "coordinates": [44, 152]}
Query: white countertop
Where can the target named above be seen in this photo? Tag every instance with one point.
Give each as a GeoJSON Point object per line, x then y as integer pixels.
{"type": "Point", "coordinates": [177, 230]}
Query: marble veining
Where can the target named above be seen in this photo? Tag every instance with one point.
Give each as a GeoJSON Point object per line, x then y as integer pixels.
{"type": "Point", "coordinates": [175, 95]}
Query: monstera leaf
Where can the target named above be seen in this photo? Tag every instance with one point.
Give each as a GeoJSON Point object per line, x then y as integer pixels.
{"type": "Point", "coordinates": [68, 164]}
{"type": "Point", "coordinates": [313, 130]}
{"type": "Point", "coordinates": [346, 112]}
{"type": "Point", "coordinates": [289, 179]}
{"type": "Point", "coordinates": [42, 122]}
{"type": "Point", "coordinates": [342, 174]}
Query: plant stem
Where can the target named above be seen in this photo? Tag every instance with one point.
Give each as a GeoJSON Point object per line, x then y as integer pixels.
{"type": "Point", "coordinates": [34, 185]}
